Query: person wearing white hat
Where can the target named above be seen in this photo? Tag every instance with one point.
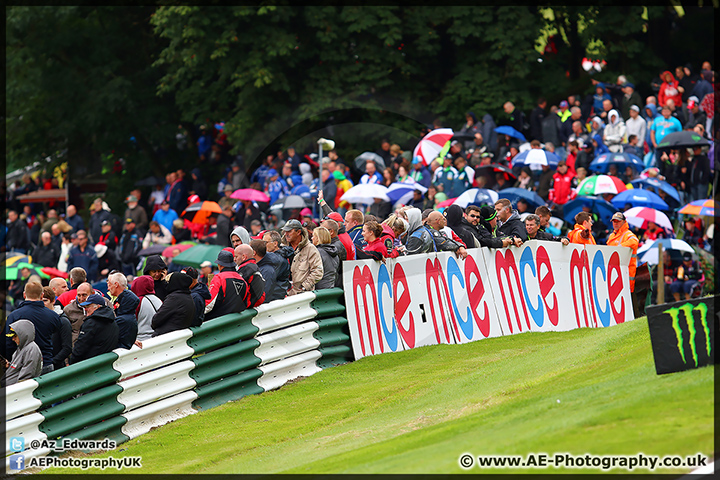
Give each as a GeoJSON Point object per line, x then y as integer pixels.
{"type": "Point", "coordinates": [636, 125]}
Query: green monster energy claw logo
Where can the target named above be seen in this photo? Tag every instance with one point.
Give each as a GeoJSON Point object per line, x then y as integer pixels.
{"type": "Point", "coordinates": [687, 309]}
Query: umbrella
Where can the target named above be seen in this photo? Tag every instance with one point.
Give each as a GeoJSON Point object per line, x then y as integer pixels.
{"type": "Point", "coordinates": [514, 194]}
{"type": "Point", "coordinates": [477, 196]}
{"type": "Point", "coordinates": [432, 144]}
{"type": "Point", "coordinates": [365, 157]}
{"type": "Point", "coordinates": [510, 132]}
{"type": "Point", "coordinates": [648, 254]}
{"type": "Point", "coordinates": [302, 190]}
{"type": "Point", "coordinates": [152, 250]}
{"type": "Point", "coordinates": [13, 273]}
{"type": "Point", "coordinates": [250, 194]}
{"type": "Point", "coordinates": [150, 181]}
{"type": "Point", "coordinates": [598, 184]}
{"type": "Point", "coordinates": [684, 139]}
{"type": "Point", "coordinates": [639, 198]}
{"type": "Point", "coordinates": [54, 272]}
{"type": "Point", "coordinates": [699, 207]}
{"type": "Point", "coordinates": [365, 193]}
{"type": "Point", "coordinates": [536, 156]}
{"type": "Point", "coordinates": [12, 259]}
{"type": "Point", "coordinates": [496, 168]}
{"type": "Point", "coordinates": [598, 205]}
{"type": "Point", "coordinates": [446, 203]}
{"type": "Point", "coordinates": [168, 251]}
{"type": "Point", "coordinates": [641, 216]}
{"type": "Point", "coordinates": [401, 192]}
{"type": "Point", "coordinates": [657, 185]}
{"type": "Point", "coordinates": [288, 202]}
{"type": "Point", "coordinates": [200, 212]}
{"type": "Point", "coordinates": [198, 254]}
{"type": "Point", "coordinates": [621, 160]}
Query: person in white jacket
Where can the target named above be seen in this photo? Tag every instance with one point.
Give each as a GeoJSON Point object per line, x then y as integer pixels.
{"type": "Point", "coordinates": [636, 125]}
{"type": "Point", "coordinates": [614, 133]}
{"type": "Point", "coordinates": [157, 233]}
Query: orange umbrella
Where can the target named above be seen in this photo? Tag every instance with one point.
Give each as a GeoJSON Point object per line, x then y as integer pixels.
{"type": "Point", "coordinates": [200, 212]}
{"type": "Point", "coordinates": [699, 207]}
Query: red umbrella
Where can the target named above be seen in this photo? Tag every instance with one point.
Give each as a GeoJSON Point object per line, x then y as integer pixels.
{"type": "Point", "coordinates": [250, 194]}
{"type": "Point", "coordinates": [446, 203]}
{"type": "Point", "coordinates": [168, 252]}
{"type": "Point", "coordinates": [54, 272]}
{"type": "Point", "coordinates": [200, 212]}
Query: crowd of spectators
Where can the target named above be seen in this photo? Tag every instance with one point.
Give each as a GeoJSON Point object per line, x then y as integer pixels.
{"type": "Point", "coordinates": [118, 297]}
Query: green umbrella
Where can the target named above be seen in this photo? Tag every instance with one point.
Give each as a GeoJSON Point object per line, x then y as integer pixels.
{"type": "Point", "coordinates": [194, 256]}
{"type": "Point", "coordinates": [14, 273]}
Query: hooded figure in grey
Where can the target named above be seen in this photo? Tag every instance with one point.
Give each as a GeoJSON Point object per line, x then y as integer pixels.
{"type": "Point", "coordinates": [27, 361]}
{"type": "Point", "coordinates": [242, 234]}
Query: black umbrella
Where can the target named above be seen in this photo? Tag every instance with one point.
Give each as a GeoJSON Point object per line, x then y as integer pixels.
{"type": "Point", "coordinates": [150, 181]}
{"type": "Point", "coordinates": [156, 249]}
{"type": "Point", "coordinates": [496, 168]}
{"type": "Point", "coordinates": [365, 157]}
{"type": "Point", "coordinates": [684, 139]}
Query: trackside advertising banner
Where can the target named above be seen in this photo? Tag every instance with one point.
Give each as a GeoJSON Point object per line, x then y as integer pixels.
{"type": "Point", "coordinates": [437, 298]}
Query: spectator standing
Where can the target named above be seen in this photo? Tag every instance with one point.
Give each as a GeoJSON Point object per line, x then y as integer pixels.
{"type": "Point", "coordinates": [178, 309]}
{"type": "Point", "coordinates": [46, 253]}
{"type": "Point", "coordinates": [561, 191]}
{"type": "Point", "coordinates": [630, 98]}
{"type": "Point", "coordinates": [73, 219]}
{"type": "Point", "coordinates": [27, 360]}
{"type": "Point", "coordinates": [130, 245]}
{"type": "Point", "coordinates": [582, 231]}
{"type": "Point", "coordinates": [329, 256]}
{"type": "Point", "coordinates": [669, 90]}
{"type": "Point", "coordinates": [83, 256]}
{"type": "Point", "coordinates": [280, 258]}
{"type": "Point", "coordinates": [136, 212]}
{"type": "Point", "coordinates": [165, 216]}
{"type": "Point", "coordinates": [663, 126]}
{"type": "Point", "coordinates": [536, 120]}
{"type": "Point", "coordinates": [99, 333]}
{"type": "Point", "coordinates": [371, 174]}
{"type": "Point", "coordinates": [125, 305]}
{"type": "Point", "coordinates": [699, 175]}
{"type": "Point", "coordinates": [636, 125]}
{"type": "Point", "coordinates": [621, 236]}
{"type": "Point", "coordinates": [229, 293]}
{"type": "Point", "coordinates": [247, 267]}
{"type": "Point", "coordinates": [509, 220]}
{"type": "Point", "coordinates": [156, 268]}
{"type": "Point", "coordinates": [148, 305]}
{"type": "Point", "coordinates": [614, 133]}
{"type": "Point", "coordinates": [157, 234]}
{"type": "Point", "coordinates": [18, 234]}
{"type": "Point", "coordinates": [306, 269]}
{"type": "Point", "coordinates": [268, 270]}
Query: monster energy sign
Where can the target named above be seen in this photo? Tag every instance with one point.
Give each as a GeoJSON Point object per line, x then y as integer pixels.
{"type": "Point", "coordinates": [682, 334]}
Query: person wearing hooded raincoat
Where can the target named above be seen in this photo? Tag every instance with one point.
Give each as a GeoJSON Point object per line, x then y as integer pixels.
{"type": "Point", "coordinates": [148, 305]}
{"type": "Point", "coordinates": [669, 90]}
{"type": "Point", "coordinates": [27, 361]}
{"type": "Point", "coordinates": [614, 133]}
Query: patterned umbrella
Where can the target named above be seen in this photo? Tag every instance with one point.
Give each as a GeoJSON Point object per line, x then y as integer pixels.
{"type": "Point", "coordinates": [200, 212]}
{"type": "Point", "coordinates": [599, 184]}
{"type": "Point", "coordinates": [641, 216]}
{"type": "Point", "coordinates": [250, 194]}
{"type": "Point", "coordinates": [477, 196]}
{"type": "Point", "coordinates": [168, 251]}
{"type": "Point", "coordinates": [14, 272]}
{"type": "Point", "coordinates": [699, 207]}
{"type": "Point", "coordinates": [648, 254]}
{"type": "Point", "coordinates": [657, 185]}
{"type": "Point", "coordinates": [639, 198]}
{"type": "Point", "coordinates": [402, 192]}
{"type": "Point", "coordinates": [14, 258]}
{"type": "Point", "coordinates": [621, 160]}
{"type": "Point", "coordinates": [684, 139]}
{"type": "Point", "coordinates": [432, 144]}
{"type": "Point", "coordinates": [536, 156]}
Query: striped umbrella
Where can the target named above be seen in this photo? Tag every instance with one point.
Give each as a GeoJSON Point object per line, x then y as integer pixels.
{"type": "Point", "coordinates": [402, 192]}
{"type": "Point", "coordinates": [477, 196]}
{"type": "Point", "coordinates": [699, 207]}
{"type": "Point", "coordinates": [599, 184]}
{"type": "Point", "coordinates": [639, 198]}
{"type": "Point", "coordinates": [429, 148]}
{"type": "Point", "coordinates": [200, 212]}
{"type": "Point", "coordinates": [446, 203]}
{"type": "Point", "coordinates": [14, 258]}
{"type": "Point", "coordinates": [536, 156]}
{"type": "Point", "coordinates": [641, 216]}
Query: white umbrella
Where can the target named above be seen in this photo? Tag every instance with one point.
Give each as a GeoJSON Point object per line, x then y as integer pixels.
{"type": "Point", "coordinates": [402, 192]}
{"type": "Point", "coordinates": [649, 252]}
{"type": "Point", "coordinates": [366, 193]}
{"type": "Point", "coordinates": [471, 196]}
{"type": "Point", "coordinates": [637, 216]}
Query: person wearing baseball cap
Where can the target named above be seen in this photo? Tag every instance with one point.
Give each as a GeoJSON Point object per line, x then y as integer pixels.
{"type": "Point", "coordinates": [630, 98]}
{"type": "Point", "coordinates": [27, 361]}
{"type": "Point", "coordinates": [165, 215]}
{"type": "Point", "coordinates": [229, 292]}
{"type": "Point", "coordinates": [307, 268]}
{"type": "Point", "coordinates": [99, 332]}
{"type": "Point", "coordinates": [136, 212]}
{"type": "Point", "coordinates": [621, 236]}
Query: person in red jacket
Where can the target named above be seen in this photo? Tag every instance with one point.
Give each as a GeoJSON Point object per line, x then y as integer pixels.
{"type": "Point", "coordinates": [669, 90]}
{"type": "Point", "coordinates": [342, 235]}
{"type": "Point", "coordinates": [229, 292]}
{"type": "Point", "coordinates": [562, 191]}
{"type": "Point", "coordinates": [379, 242]}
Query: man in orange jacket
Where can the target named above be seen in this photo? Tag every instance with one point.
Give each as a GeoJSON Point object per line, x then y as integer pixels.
{"type": "Point", "coordinates": [623, 237]}
{"type": "Point", "coordinates": [582, 233]}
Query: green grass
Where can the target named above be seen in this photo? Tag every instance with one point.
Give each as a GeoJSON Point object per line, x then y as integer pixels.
{"type": "Point", "coordinates": [585, 391]}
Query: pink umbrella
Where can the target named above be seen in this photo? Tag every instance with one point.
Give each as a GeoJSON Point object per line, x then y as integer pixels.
{"type": "Point", "coordinates": [168, 252]}
{"type": "Point", "coordinates": [431, 144]}
{"type": "Point", "coordinates": [446, 203]}
{"type": "Point", "coordinates": [641, 216]}
{"type": "Point", "coordinates": [250, 194]}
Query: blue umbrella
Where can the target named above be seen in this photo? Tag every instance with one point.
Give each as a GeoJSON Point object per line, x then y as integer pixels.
{"type": "Point", "coordinates": [513, 194]}
{"type": "Point", "coordinates": [404, 191]}
{"type": "Point", "coordinates": [510, 132]}
{"type": "Point", "coordinates": [536, 156]}
{"type": "Point", "coordinates": [477, 196]}
{"type": "Point", "coordinates": [302, 190]}
{"type": "Point", "coordinates": [602, 162]}
{"type": "Point", "coordinates": [599, 205]}
{"type": "Point", "coordinates": [657, 185]}
{"type": "Point", "coordinates": [638, 197]}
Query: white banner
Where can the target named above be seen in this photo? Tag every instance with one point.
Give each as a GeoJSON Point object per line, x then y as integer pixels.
{"type": "Point", "coordinates": [437, 298]}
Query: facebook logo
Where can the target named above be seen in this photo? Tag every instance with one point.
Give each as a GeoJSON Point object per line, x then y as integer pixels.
{"type": "Point", "coordinates": [17, 444]}
{"type": "Point", "coordinates": [17, 462]}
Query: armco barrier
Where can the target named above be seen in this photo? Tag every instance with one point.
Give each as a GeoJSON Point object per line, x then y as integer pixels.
{"type": "Point", "coordinates": [123, 394]}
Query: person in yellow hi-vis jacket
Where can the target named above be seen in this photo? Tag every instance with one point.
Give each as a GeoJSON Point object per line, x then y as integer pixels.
{"type": "Point", "coordinates": [623, 237]}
